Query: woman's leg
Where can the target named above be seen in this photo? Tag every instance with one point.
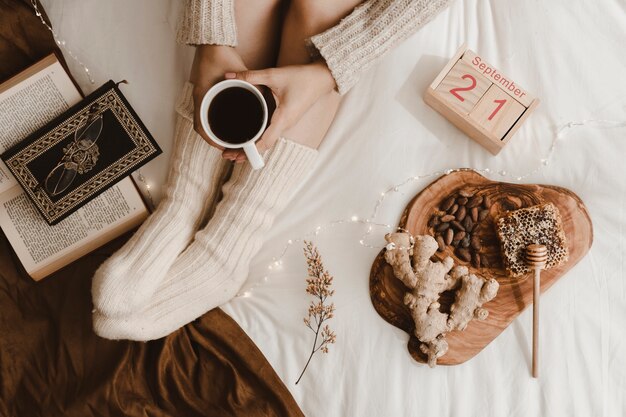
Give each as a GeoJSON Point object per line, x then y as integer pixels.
{"type": "Point", "coordinates": [195, 175]}
{"type": "Point", "coordinates": [304, 19]}
{"type": "Point", "coordinates": [258, 31]}
{"type": "Point", "coordinates": [215, 265]}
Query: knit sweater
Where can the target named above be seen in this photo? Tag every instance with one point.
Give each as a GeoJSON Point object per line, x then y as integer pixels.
{"type": "Point", "coordinates": [349, 48]}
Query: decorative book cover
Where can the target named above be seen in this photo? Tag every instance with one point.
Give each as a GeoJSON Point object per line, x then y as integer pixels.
{"type": "Point", "coordinates": [81, 153]}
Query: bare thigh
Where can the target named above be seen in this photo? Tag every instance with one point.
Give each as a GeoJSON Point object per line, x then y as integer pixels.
{"type": "Point", "coordinates": [258, 31]}
{"type": "Point", "coordinates": [303, 19]}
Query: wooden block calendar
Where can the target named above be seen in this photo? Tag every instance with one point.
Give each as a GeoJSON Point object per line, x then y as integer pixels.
{"type": "Point", "coordinates": [477, 98]}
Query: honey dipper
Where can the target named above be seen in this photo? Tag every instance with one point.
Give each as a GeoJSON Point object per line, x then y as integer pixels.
{"type": "Point", "coordinates": [536, 258]}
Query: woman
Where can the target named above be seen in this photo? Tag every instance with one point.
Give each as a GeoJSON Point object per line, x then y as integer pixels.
{"type": "Point", "coordinates": [173, 270]}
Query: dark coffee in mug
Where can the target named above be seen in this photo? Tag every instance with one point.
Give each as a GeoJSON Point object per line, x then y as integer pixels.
{"type": "Point", "coordinates": [235, 115]}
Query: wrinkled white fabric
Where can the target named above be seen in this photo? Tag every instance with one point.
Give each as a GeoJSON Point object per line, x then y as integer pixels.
{"type": "Point", "coordinates": [570, 55]}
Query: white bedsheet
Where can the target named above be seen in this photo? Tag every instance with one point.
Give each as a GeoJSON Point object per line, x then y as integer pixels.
{"type": "Point", "coordinates": [570, 54]}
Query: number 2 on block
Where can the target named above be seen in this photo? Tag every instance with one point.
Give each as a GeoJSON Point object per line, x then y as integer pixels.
{"type": "Point", "coordinates": [471, 87]}
{"type": "Point", "coordinates": [500, 104]}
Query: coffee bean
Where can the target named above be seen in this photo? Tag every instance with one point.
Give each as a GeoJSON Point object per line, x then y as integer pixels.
{"type": "Point", "coordinates": [474, 214]}
{"type": "Point", "coordinates": [453, 209]}
{"type": "Point", "coordinates": [441, 243]}
{"type": "Point", "coordinates": [461, 201]}
{"type": "Point", "coordinates": [460, 214]}
{"type": "Point", "coordinates": [468, 224]}
{"type": "Point", "coordinates": [466, 241]}
{"type": "Point", "coordinates": [482, 215]}
{"type": "Point", "coordinates": [459, 235]}
{"type": "Point", "coordinates": [487, 202]}
{"type": "Point", "coordinates": [475, 243]}
{"type": "Point", "coordinates": [442, 227]}
{"type": "Point", "coordinates": [464, 254]}
{"type": "Point", "coordinates": [475, 201]}
{"type": "Point", "coordinates": [457, 225]}
{"type": "Point", "coordinates": [449, 236]}
{"type": "Point", "coordinates": [434, 221]}
{"type": "Point", "coordinates": [455, 243]}
{"type": "Point", "coordinates": [484, 262]}
{"type": "Point", "coordinates": [447, 218]}
{"type": "Point", "coordinates": [466, 192]}
{"type": "Point", "coordinates": [476, 259]}
{"type": "Point", "coordinates": [447, 203]}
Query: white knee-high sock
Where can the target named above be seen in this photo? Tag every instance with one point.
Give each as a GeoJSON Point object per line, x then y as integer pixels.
{"type": "Point", "coordinates": [193, 180]}
{"type": "Point", "coordinates": [215, 265]}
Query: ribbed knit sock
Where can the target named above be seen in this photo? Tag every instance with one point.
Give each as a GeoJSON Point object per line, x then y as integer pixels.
{"type": "Point", "coordinates": [193, 181]}
{"type": "Point", "coordinates": [215, 265]}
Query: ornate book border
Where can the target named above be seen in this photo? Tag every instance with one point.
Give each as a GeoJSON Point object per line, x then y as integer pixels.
{"type": "Point", "coordinates": [145, 149]}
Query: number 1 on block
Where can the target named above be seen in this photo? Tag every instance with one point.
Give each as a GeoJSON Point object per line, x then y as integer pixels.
{"type": "Point", "coordinates": [497, 112]}
{"type": "Point", "coordinates": [500, 104]}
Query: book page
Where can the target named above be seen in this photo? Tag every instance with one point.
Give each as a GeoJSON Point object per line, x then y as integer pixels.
{"type": "Point", "coordinates": [30, 104]}
{"type": "Point", "coordinates": [43, 248]}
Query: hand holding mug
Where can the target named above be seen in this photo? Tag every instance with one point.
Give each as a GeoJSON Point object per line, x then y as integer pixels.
{"type": "Point", "coordinates": [234, 114]}
{"type": "Point", "coordinates": [209, 65]}
{"type": "Point", "coordinates": [295, 88]}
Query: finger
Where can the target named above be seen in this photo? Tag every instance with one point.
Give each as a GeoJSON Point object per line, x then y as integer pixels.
{"type": "Point", "coordinates": [277, 126]}
{"type": "Point", "coordinates": [232, 154]}
{"type": "Point", "coordinates": [253, 77]}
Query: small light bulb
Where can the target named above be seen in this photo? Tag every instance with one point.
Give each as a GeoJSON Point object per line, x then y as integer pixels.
{"type": "Point", "coordinates": [354, 218]}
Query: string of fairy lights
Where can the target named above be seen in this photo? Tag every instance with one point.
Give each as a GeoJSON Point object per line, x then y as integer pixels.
{"type": "Point", "coordinates": [63, 45]}
{"type": "Point", "coordinates": [370, 222]}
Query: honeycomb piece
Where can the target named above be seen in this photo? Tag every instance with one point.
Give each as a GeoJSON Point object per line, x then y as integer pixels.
{"type": "Point", "coordinates": [538, 224]}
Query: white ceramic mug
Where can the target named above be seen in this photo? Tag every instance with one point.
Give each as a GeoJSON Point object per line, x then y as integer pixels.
{"type": "Point", "coordinates": [248, 147]}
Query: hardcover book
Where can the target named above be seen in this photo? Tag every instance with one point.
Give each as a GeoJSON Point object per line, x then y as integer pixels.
{"type": "Point", "coordinates": [81, 153]}
{"type": "Point", "coordinates": [29, 101]}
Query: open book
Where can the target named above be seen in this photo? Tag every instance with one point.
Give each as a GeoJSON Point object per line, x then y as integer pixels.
{"type": "Point", "coordinates": [27, 102]}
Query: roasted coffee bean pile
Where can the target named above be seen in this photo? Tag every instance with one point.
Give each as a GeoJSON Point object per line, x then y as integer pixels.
{"type": "Point", "coordinates": [456, 222]}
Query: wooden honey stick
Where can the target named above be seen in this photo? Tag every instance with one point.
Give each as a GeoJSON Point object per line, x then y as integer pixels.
{"type": "Point", "coordinates": [536, 258]}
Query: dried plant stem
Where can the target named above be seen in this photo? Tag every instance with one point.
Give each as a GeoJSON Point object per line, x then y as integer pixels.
{"type": "Point", "coordinates": [312, 353]}
{"type": "Point", "coordinates": [318, 285]}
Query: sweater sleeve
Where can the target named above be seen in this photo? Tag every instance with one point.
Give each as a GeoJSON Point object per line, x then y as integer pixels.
{"type": "Point", "coordinates": [207, 22]}
{"type": "Point", "coordinates": [373, 28]}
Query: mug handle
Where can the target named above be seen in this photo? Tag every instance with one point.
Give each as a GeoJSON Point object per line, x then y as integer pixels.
{"type": "Point", "coordinates": [253, 155]}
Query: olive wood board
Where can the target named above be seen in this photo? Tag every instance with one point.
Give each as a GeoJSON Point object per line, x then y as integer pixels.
{"type": "Point", "coordinates": [514, 294]}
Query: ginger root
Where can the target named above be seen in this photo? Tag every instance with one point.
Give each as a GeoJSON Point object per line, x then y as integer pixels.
{"type": "Point", "coordinates": [427, 280]}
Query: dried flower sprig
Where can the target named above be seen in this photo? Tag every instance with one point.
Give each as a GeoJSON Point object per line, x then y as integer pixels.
{"type": "Point", "coordinates": [319, 285]}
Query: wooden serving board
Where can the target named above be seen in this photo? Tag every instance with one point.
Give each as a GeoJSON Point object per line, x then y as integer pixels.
{"type": "Point", "coordinates": [515, 294]}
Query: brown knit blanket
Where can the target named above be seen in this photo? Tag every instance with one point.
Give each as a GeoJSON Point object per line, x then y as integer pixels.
{"type": "Point", "coordinates": [51, 362]}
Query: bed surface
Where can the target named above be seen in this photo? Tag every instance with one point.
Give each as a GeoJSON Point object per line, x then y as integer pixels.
{"type": "Point", "coordinates": [570, 55]}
